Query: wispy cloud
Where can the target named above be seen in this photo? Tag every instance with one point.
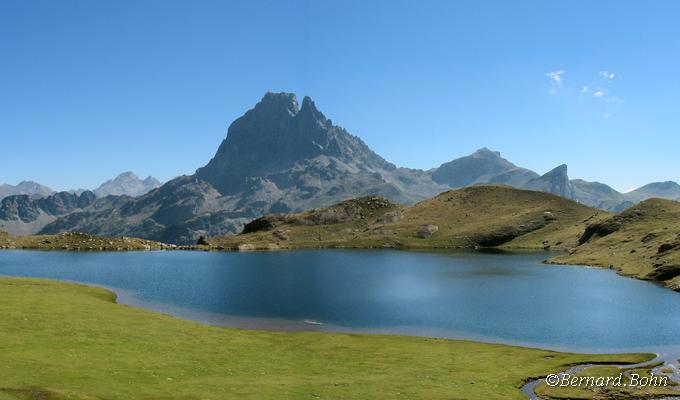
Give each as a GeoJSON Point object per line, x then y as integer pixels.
{"type": "Point", "coordinates": [603, 94]}
{"type": "Point", "coordinates": [555, 81]}
{"type": "Point", "coordinates": [600, 88]}
{"type": "Point", "coordinates": [556, 76]}
{"type": "Point", "coordinates": [607, 75]}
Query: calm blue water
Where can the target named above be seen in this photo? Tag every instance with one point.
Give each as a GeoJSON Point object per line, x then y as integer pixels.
{"type": "Point", "coordinates": [510, 298]}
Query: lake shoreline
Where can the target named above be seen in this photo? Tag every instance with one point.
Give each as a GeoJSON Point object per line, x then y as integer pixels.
{"type": "Point", "coordinates": [256, 327]}
{"type": "Point", "coordinates": [286, 324]}
{"type": "Point", "coordinates": [554, 260]}
{"type": "Point", "coordinates": [479, 369]}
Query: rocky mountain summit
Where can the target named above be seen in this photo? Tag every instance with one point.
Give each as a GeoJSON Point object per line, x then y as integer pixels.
{"type": "Point", "coordinates": [277, 157]}
{"type": "Point", "coordinates": [555, 181]}
{"type": "Point", "coordinates": [483, 166]}
{"type": "Point", "coordinates": [127, 184]}
{"type": "Point", "coordinates": [282, 157]}
{"type": "Point", "coordinates": [30, 188]}
{"type": "Point", "coordinates": [300, 157]}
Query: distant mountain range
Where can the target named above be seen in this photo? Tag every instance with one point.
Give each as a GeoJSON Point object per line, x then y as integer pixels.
{"type": "Point", "coordinates": [125, 184]}
{"type": "Point", "coordinates": [27, 207]}
{"type": "Point", "coordinates": [29, 188]}
{"type": "Point", "coordinates": [280, 157]}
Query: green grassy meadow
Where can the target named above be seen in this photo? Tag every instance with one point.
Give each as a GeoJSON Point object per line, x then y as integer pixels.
{"type": "Point", "coordinates": [66, 341]}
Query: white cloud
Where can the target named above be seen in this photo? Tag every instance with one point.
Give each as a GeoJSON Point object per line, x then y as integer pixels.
{"type": "Point", "coordinates": [607, 75]}
{"type": "Point", "coordinates": [599, 89]}
{"type": "Point", "coordinates": [555, 78]}
{"type": "Point", "coordinates": [603, 95]}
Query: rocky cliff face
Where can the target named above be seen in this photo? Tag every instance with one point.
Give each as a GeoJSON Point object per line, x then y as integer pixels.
{"type": "Point", "coordinates": [555, 181]}
{"type": "Point", "coordinates": [127, 184]}
{"type": "Point", "coordinates": [275, 140]}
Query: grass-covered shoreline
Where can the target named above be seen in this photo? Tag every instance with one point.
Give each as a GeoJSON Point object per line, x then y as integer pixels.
{"type": "Point", "coordinates": [66, 341]}
{"type": "Point", "coordinates": [642, 242]}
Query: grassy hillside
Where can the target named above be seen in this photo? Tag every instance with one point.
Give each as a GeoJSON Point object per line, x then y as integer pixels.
{"type": "Point", "coordinates": [643, 241]}
{"type": "Point", "coordinates": [486, 216]}
{"type": "Point", "coordinates": [78, 242]}
{"type": "Point", "coordinates": [63, 341]}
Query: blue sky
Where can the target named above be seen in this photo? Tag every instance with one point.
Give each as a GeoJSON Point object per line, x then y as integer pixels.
{"type": "Point", "coordinates": [91, 89]}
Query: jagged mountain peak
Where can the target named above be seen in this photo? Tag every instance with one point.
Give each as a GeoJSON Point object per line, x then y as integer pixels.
{"type": "Point", "coordinates": [560, 170]}
{"type": "Point", "coordinates": [308, 106]}
{"type": "Point", "coordinates": [309, 112]}
{"type": "Point", "coordinates": [280, 104]}
{"type": "Point", "coordinates": [127, 183]}
{"type": "Point", "coordinates": [555, 181]}
{"type": "Point", "coordinates": [275, 136]}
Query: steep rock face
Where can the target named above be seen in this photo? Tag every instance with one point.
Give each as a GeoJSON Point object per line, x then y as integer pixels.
{"type": "Point", "coordinates": [30, 188]}
{"type": "Point", "coordinates": [276, 137]}
{"type": "Point", "coordinates": [483, 166]}
{"type": "Point", "coordinates": [555, 181]}
{"type": "Point", "coordinates": [127, 184]}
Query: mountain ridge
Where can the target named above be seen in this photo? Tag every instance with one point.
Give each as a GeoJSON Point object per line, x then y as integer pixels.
{"type": "Point", "coordinates": [279, 157]}
{"type": "Point", "coordinates": [127, 183]}
{"type": "Point", "coordinates": [30, 188]}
